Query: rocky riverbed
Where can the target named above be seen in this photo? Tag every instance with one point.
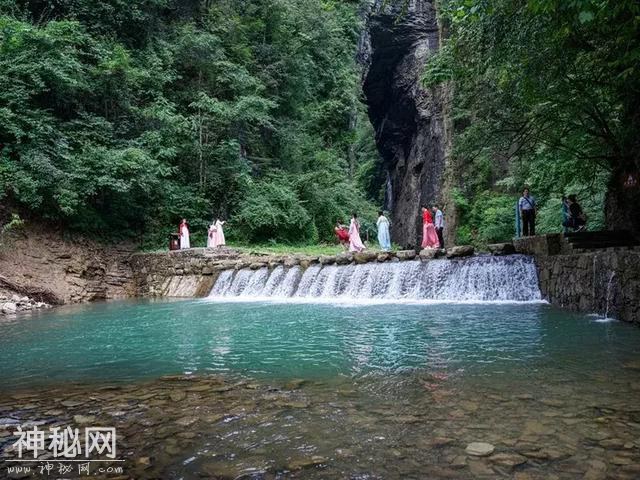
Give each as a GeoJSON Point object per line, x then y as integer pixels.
{"type": "Point", "coordinates": [430, 425]}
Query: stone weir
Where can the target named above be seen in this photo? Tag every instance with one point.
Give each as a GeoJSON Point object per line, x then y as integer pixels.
{"type": "Point", "coordinates": [606, 282]}
{"type": "Point", "coordinates": [193, 272]}
{"type": "Point", "coordinates": [402, 275]}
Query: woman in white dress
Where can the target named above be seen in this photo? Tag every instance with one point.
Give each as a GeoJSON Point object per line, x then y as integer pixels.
{"type": "Point", "coordinates": [355, 243]}
{"type": "Point", "coordinates": [183, 230]}
{"type": "Point", "coordinates": [219, 233]}
{"type": "Point", "coordinates": [211, 236]}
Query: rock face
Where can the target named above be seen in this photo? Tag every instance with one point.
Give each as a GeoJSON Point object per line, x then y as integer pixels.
{"type": "Point", "coordinates": [47, 266]}
{"type": "Point", "coordinates": [410, 121]}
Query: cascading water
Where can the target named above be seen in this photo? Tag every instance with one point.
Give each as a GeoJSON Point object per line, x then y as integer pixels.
{"type": "Point", "coordinates": [480, 279]}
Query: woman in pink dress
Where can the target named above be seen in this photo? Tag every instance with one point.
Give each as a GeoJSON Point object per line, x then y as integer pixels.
{"type": "Point", "coordinates": [219, 233]}
{"type": "Point", "coordinates": [355, 244]}
{"type": "Point", "coordinates": [429, 234]}
{"type": "Point", "coordinates": [212, 237]}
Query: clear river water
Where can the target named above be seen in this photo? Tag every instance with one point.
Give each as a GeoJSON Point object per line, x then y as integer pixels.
{"type": "Point", "coordinates": [212, 388]}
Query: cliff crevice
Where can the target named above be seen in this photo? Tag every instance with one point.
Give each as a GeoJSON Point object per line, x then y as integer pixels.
{"type": "Point", "coordinates": [410, 121]}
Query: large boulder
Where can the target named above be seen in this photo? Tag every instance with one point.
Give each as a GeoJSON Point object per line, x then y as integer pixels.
{"type": "Point", "coordinates": [306, 261]}
{"type": "Point", "coordinates": [430, 253]}
{"type": "Point", "coordinates": [291, 261]}
{"type": "Point", "coordinates": [460, 251]}
{"type": "Point", "coordinates": [344, 258]}
{"type": "Point", "coordinates": [327, 259]}
{"type": "Point", "coordinates": [9, 307]}
{"type": "Point", "coordinates": [274, 263]}
{"type": "Point", "coordinates": [365, 257]}
{"type": "Point", "coordinates": [384, 257]}
{"type": "Point", "coordinates": [406, 254]}
{"type": "Point", "coordinates": [501, 248]}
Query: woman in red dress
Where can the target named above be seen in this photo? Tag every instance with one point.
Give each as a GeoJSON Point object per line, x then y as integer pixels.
{"type": "Point", "coordinates": [343, 235]}
{"type": "Point", "coordinates": [429, 234]}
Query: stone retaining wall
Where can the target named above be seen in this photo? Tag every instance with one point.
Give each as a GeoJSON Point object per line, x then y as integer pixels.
{"type": "Point", "coordinates": [604, 281]}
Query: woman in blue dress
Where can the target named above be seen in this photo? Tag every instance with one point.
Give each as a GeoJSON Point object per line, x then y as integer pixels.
{"type": "Point", "coordinates": [384, 239]}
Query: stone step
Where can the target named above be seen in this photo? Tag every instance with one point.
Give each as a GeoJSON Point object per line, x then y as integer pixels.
{"type": "Point", "coordinates": [600, 239]}
{"type": "Point", "coordinates": [603, 244]}
{"type": "Point", "coordinates": [598, 235]}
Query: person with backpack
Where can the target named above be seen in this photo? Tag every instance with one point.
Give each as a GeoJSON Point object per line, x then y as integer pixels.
{"type": "Point", "coordinates": [577, 219]}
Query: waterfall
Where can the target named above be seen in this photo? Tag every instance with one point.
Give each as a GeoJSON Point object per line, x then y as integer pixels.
{"type": "Point", "coordinates": [388, 193]}
{"type": "Point", "coordinates": [510, 278]}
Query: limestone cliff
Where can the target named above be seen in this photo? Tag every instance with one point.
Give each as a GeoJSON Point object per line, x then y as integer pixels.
{"type": "Point", "coordinates": [411, 122]}
{"type": "Point", "coordinates": [48, 265]}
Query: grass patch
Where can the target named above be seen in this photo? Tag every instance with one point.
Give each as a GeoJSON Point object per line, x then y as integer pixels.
{"type": "Point", "coordinates": [282, 249]}
{"type": "Point", "coordinates": [285, 249]}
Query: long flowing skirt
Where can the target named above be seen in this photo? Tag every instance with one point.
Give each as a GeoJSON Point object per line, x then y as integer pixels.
{"type": "Point", "coordinates": [384, 239]}
{"type": "Point", "coordinates": [184, 240]}
{"type": "Point", "coordinates": [219, 235]}
{"type": "Point", "coordinates": [429, 236]}
{"type": "Point", "coordinates": [355, 244]}
{"type": "Point", "coordinates": [212, 239]}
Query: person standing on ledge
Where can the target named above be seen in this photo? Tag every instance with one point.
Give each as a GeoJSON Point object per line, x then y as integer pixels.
{"type": "Point", "coordinates": [384, 239]}
{"type": "Point", "coordinates": [183, 231]}
{"type": "Point", "coordinates": [355, 243]}
{"type": "Point", "coordinates": [219, 233]}
{"type": "Point", "coordinates": [429, 235]}
{"type": "Point", "coordinates": [577, 219]}
{"type": "Point", "coordinates": [527, 208]}
{"type": "Point", "coordinates": [439, 224]}
{"type": "Point", "coordinates": [211, 236]}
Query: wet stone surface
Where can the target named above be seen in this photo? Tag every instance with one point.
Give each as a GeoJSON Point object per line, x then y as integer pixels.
{"type": "Point", "coordinates": [420, 425]}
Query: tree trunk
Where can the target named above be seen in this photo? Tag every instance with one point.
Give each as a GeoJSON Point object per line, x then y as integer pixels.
{"type": "Point", "coordinates": [622, 203]}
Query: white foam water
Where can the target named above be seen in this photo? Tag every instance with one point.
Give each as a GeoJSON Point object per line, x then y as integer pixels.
{"type": "Point", "coordinates": [510, 278]}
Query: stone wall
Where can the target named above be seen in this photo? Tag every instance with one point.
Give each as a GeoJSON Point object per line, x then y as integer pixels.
{"type": "Point", "coordinates": [604, 281]}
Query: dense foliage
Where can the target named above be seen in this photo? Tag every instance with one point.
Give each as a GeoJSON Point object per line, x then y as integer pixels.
{"type": "Point", "coordinates": [120, 117]}
{"type": "Point", "coordinates": [546, 94]}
